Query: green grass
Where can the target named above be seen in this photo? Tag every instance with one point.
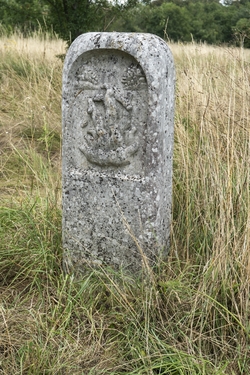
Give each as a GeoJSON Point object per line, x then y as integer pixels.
{"type": "Point", "coordinates": [189, 316]}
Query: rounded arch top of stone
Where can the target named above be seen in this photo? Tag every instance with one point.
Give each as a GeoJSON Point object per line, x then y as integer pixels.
{"type": "Point", "coordinates": [151, 52]}
{"type": "Point", "coordinates": [118, 102]}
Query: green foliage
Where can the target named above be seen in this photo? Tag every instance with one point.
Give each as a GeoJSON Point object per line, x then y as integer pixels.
{"type": "Point", "coordinates": [70, 18]}
{"type": "Point", "coordinates": [200, 20]}
{"type": "Point", "coordinates": [26, 15]}
{"type": "Point", "coordinates": [242, 31]}
{"type": "Point", "coordinates": [178, 20]}
{"type": "Point", "coordinates": [167, 20]}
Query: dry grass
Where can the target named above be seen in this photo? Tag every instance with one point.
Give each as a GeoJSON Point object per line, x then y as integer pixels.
{"type": "Point", "coordinates": [192, 315]}
{"type": "Point", "coordinates": [30, 125]}
{"type": "Point", "coordinates": [37, 46]}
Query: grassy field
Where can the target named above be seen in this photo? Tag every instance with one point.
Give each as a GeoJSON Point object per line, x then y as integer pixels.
{"type": "Point", "coordinates": [192, 316]}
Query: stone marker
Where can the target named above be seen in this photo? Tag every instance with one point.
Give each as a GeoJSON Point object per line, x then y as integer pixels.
{"type": "Point", "coordinates": [118, 106]}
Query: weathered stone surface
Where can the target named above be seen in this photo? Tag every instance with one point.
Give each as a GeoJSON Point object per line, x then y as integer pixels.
{"type": "Point", "coordinates": [118, 103]}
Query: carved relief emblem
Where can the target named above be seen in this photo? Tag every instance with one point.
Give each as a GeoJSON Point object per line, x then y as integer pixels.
{"type": "Point", "coordinates": [111, 124]}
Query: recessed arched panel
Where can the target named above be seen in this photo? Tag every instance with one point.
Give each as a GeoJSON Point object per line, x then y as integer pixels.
{"type": "Point", "coordinates": [108, 112]}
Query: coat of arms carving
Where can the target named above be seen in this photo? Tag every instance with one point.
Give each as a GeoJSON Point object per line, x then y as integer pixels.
{"type": "Point", "coordinates": [111, 121]}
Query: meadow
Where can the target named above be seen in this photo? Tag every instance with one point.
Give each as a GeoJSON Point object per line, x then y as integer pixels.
{"type": "Point", "coordinates": [192, 315]}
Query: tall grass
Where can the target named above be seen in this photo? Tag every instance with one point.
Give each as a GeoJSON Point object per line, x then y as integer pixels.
{"type": "Point", "coordinates": [192, 315]}
{"type": "Point", "coordinates": [30, 77]}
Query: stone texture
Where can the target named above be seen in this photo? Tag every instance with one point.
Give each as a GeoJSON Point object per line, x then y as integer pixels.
{"type": "Point", "coordinates": [118, 105]}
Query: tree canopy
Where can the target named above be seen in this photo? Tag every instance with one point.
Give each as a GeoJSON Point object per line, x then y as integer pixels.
{"type": "Point", "coordinates": [208, 21]}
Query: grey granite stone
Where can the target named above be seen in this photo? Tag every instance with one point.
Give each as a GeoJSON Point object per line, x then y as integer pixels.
{"type": "Point", "coordinates": [118, 108]}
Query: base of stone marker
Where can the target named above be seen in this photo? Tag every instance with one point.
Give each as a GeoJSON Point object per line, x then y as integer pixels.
{"type": "Point", "coordinates": [104, 228]}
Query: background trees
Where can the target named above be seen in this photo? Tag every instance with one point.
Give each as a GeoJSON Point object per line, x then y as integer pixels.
{"type": "Point", "coordinates": [177, 20]}
{"type": "Point", "coordinates": [24, 14]}
{"type": "Point", "coordinates": [185, 20]}
{"type": "Point", "coordinates": [70, 18]}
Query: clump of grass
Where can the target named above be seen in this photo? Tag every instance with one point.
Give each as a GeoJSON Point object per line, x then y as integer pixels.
{"type": "Point", "coordinates": [191, 316]}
